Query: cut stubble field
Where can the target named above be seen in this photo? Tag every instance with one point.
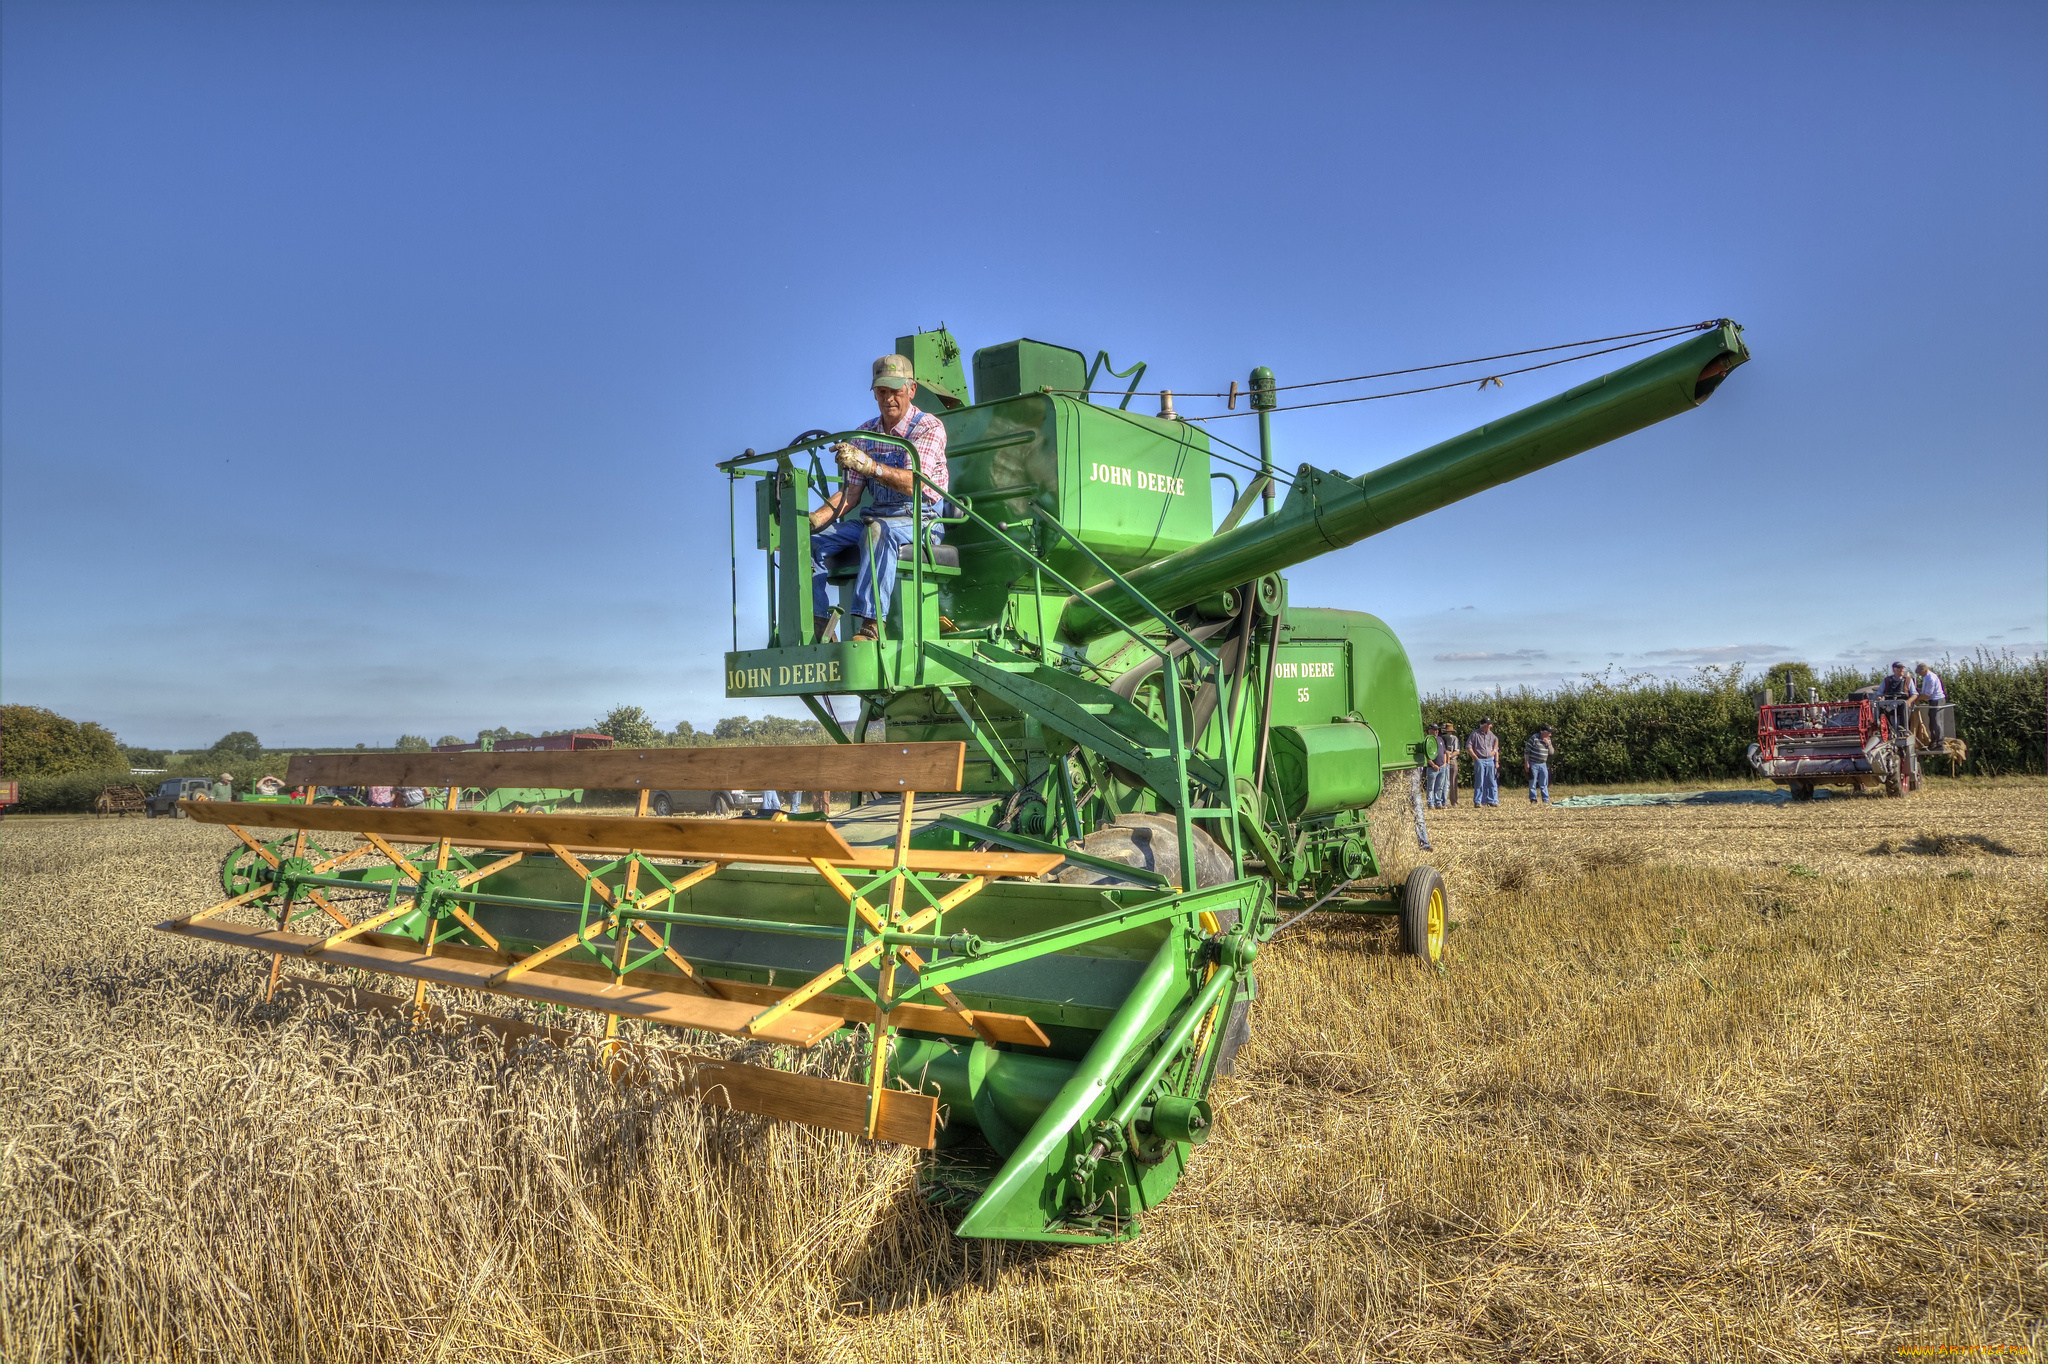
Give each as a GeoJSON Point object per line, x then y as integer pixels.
{"type": "Point", "coordinates": [1722, 1082]}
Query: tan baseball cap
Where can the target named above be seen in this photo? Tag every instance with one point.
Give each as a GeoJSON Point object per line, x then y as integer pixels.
{"type": "Point", "coordinates": [893, 371]}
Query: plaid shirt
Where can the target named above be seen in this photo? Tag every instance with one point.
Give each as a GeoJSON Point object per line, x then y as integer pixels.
{"type": "Point", "coordinates": [922, 430]}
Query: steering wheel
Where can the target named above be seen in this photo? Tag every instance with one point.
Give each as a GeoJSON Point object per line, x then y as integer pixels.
{"type": "Point", "coordinates": [817, 464]}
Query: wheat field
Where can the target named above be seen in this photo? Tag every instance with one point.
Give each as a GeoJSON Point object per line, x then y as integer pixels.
{"type": "Point", "coordinates": [1698, 1083]}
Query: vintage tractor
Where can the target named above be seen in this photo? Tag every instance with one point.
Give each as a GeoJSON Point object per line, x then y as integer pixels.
{"type": "Point", "coordinates": [1857, 742]}
{"type": "Point", "coordinates": [1102, 749]}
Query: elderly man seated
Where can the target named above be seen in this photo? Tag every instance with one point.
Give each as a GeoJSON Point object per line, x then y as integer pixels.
{"type": "Point", "coordinates": [882, 472]}
{"type": "Point", "coordinates": [1895, 695]}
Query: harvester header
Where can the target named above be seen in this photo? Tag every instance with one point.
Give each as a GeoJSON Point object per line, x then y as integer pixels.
{"type": "Point", "coordinates": [1095, 751]}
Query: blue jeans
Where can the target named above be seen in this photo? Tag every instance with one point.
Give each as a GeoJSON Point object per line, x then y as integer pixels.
{"type": "Point", "coordinates": [1539, 780]}
{"type": "Point", "coordinates": [1439, 787]}
{"type": "Point", "coordinates": [881, 541]}
{"type": "Point", "coordinates": [1485, 781]}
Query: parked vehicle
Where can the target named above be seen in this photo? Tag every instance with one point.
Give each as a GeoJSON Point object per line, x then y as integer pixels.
{"type": "Point", "coordinates": [164, 804]}
{"type": "Point", "coordinates": [665, 803]}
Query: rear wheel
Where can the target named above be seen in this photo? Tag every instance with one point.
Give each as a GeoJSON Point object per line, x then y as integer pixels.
{"type": "Point", "coordinates": [721, 804]}
{"type": "Point", "coordinates": [661, 805]}
{"type": "Point", "coordinates": [1802, 790]}
{"type": "Point", "coordinates": [1425, 914]}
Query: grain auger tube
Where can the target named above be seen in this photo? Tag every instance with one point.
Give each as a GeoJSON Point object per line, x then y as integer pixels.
{"type": "Point", "coordinates": [1096, 749]}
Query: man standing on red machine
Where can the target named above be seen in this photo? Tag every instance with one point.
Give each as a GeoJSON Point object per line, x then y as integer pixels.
{"type": "Point", "coordinates": [883, 472]}
{"type": "Point", "coordinates": [1927, 693]}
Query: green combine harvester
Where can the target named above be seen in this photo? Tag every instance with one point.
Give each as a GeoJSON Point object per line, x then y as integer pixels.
{"type": "Point", "coordinates": [1100, 751]}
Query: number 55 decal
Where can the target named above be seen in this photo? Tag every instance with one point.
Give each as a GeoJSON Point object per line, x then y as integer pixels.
{"type": "Point", "coordinates": [1301, 695]}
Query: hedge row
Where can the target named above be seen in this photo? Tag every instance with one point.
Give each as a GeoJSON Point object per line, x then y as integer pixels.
{"type": "Point", "coordinates": [74, 792]}
{"type": "Point", "coordinates": [1648, 729]}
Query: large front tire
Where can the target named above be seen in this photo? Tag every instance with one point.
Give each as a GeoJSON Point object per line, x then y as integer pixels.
{"type": "Point", "coordinates": [1425, 914]}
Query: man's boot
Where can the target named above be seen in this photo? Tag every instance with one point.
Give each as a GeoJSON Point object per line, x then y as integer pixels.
{"type": "Point", "coordinates": [821, 629]}
{"type": "Point", "coordinates": [867, 631]}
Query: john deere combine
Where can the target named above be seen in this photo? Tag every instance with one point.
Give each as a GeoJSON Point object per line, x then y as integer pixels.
{"type": "Point", "coordinates": [1100, 749]}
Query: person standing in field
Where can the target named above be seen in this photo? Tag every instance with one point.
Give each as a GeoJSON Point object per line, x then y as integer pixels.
{"type": "Point", "coordinates": [1484, 746]}
{"type": "Point", "coordinates": [223, 788]}
{"type": "Point", "coordinates": [1536, 754]}
{"type": "Point", "coordinates": [1447, 740]}
{"type": "Point", "coordinates": [1434, 772]}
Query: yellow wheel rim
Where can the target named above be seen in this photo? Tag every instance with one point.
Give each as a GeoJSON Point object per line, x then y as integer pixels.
{"type": "Point", "coordinates": [1435, 944]}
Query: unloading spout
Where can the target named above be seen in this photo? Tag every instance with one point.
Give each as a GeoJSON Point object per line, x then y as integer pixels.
{"type": "Point", "coordinates": [1325, 512]}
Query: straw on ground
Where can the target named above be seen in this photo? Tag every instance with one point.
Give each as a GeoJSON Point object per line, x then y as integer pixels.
{"type": "Point", "coordinates": [1672, 1100]}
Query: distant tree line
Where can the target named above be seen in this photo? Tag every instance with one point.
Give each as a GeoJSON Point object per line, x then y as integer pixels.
{"type": "Point", "coordinates": [63, 764]}
{"type": "Point", "coordinates": [1607, 729]}
{"type": "Point", "coordinates": [632, 727]}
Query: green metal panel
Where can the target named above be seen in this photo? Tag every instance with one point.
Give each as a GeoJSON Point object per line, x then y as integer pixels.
{"type": "Point", "coordinates": [1026, 366]}
{"type": "Point", "coordinates": [1321, 769]}
{"type": "Point", "coordinates": [1132, 488]}
{"type": "Point", "coordinates": [935, 360]}
{"type": "Point", "coordinates": [1380, 682]}
{"type": "Point", "coordinates": [812, 668]}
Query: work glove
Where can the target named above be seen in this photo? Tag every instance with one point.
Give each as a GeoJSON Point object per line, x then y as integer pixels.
{"type": "Point", "coordinates": [852, 458]}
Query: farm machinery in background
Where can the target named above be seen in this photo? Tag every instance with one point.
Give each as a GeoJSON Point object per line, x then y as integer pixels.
{"type": "Point", "coordinates": [1103, 751]}
{"type": "Point", "coordinates": [1857, 742]}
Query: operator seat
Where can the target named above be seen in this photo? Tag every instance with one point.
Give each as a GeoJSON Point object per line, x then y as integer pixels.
{"type": "Point", "coordinates": [841, 566]}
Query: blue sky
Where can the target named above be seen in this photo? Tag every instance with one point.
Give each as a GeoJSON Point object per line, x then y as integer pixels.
{"type": "Point", "coordinates": [362, 367]}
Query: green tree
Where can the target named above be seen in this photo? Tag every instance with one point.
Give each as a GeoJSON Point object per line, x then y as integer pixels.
{"type": "Point", "coordinates": [630, 728]}
{"type": "Point", "coordinates": [240, 746]}
{"type": "Point", "coordinates": [35, 742]}
{"type": "Point", "coordinates": [1790, 679]}
{"type": "Point", "coordinates": [769, 729]}
{"type": "Point", "coordinates": [412, 743]}
{"type": "Point", "coordinates": [448, 741]}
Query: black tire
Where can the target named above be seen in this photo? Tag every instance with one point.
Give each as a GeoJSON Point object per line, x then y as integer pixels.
{"type": "Point", "coordinates": [1237, 1030]}
{"type": "Point", "coordinates": [1425, 914]}
{"type": "Point", "coordinates": [1802, 790]}
{"type": "Point", "coordinates": [1151, 842]}
{"type": "Point", "coordinates": [721, 804]}
{"type": "Point", "coordinates": [661, 805]}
